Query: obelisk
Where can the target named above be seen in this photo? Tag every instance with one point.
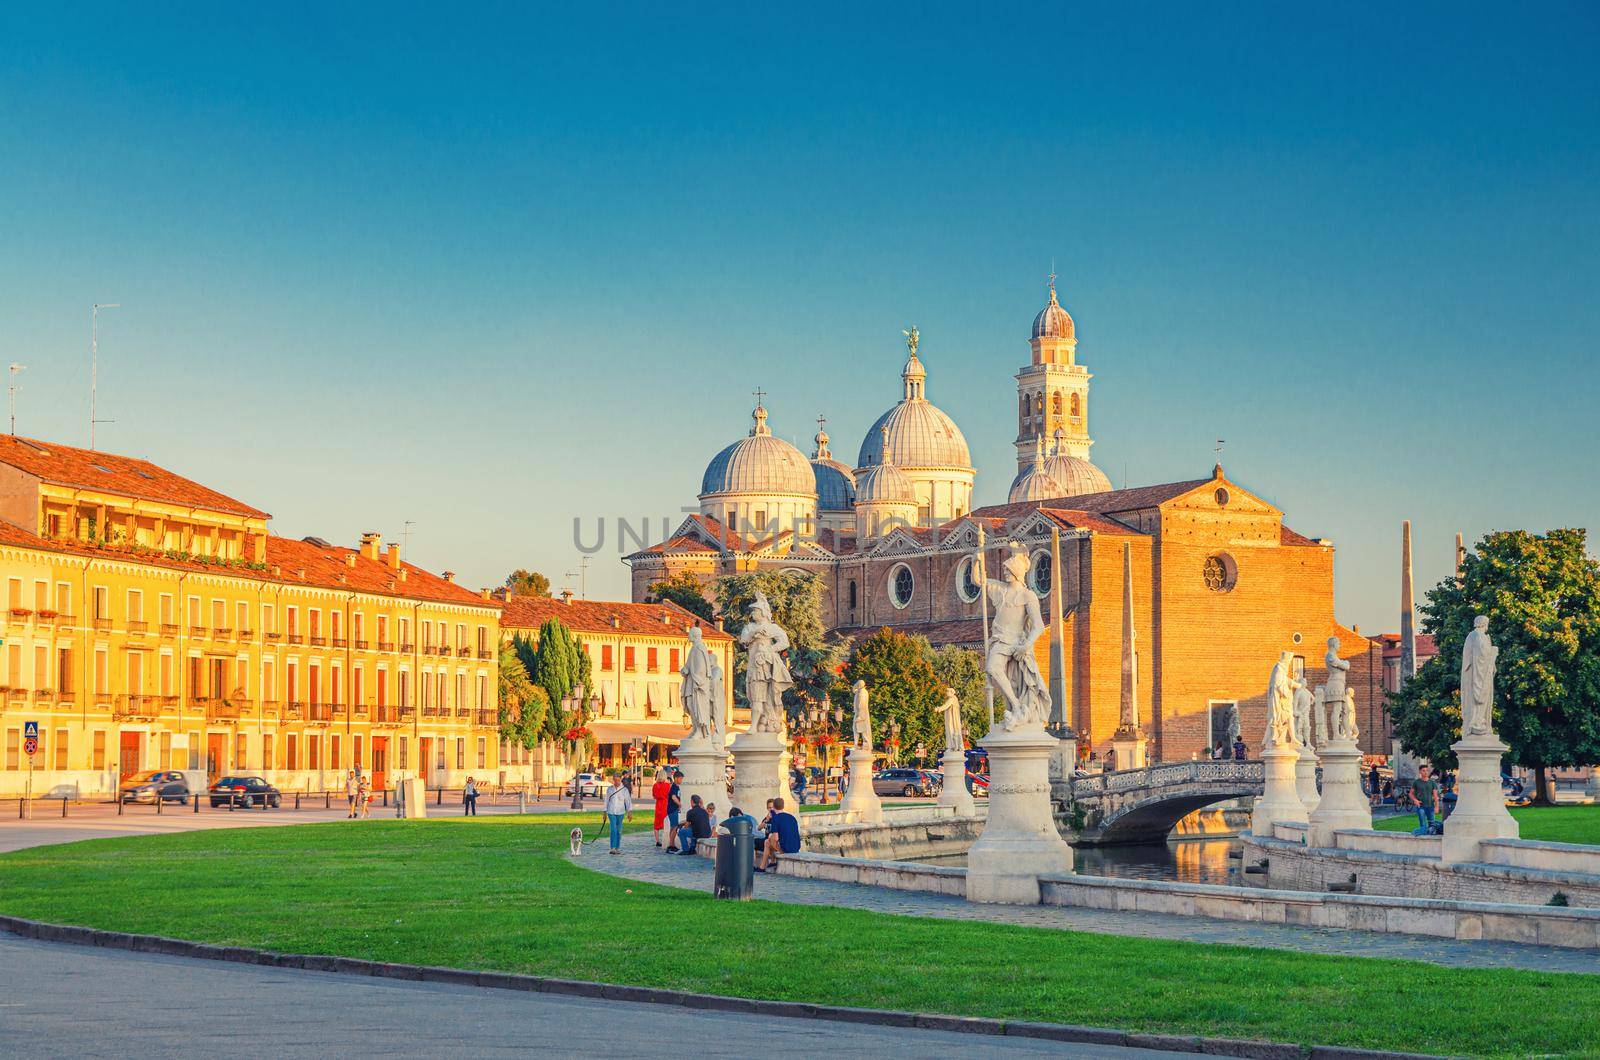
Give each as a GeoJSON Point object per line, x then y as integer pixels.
{"type": "Point", "coordinates": [1405, 766]}
{"type": "Point", "coordinates": [1129, 742]}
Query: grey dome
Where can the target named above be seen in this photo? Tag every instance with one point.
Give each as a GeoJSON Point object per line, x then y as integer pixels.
{"type": "Point", "coordinates": [1076, 476]}
{"type": "Point", "coordinates": [1035, 484]}
{"type": "Point", "coordinates": [836, 486]}
{"type": "Point", "coordinates": [759, 463]}
{"type": "Point", "coordinates": [1053, 321]}
{"type": "Point", "coordinates": [920, 435]}
{"type": "Point", "coordinates": [884, 484]}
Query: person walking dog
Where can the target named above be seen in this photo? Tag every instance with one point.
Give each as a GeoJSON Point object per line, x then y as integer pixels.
{"type": "Point", "coordinates": [619, 807]}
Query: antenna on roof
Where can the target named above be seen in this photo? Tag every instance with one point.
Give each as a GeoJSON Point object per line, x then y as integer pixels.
{"type": "Point", "coordinates": [94, 364]}
{"type": "Point", "coordinates": [405, 539]}
{"type": "Point", "coordinates": [1218, 448]}
{"type": "Point", "coordinates": [12, 389]}
{"type": "Point", "coordinates": [582, 574]}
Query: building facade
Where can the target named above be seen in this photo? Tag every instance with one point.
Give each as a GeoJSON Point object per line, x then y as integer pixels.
{"type": "Point", "coordinates": [152, 623]}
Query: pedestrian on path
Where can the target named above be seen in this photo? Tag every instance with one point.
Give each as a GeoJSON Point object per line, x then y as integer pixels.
{"type": "Point", "coordinates": [658, 794]}
{"type": "Point", "coordinates": [619, 807]}
{"type": "Point", "coordinates": [674, 807]}
{"type": "Point", "coordinates": [1426, 791]}
{"type": "Point", "coordinates": [363, 796]}
{"type": "Point", "coordinates": [1240, 751]}
{"type": "Point", "coordinates": [352, 787]}
{"type": "Point", "coordinates": [469, 799]}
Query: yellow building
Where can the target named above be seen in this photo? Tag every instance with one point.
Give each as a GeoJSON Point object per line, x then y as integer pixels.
{"type": "Point", "coordinates": [635, 651]}
{"type": "Point", "coordinates": [151, 622]}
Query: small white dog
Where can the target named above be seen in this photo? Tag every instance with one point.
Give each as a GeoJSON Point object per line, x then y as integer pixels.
{"type": "Point", "coordinates": [576, 841]}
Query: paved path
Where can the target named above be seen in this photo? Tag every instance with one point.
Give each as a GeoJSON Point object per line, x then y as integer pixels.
{"type": "Point", "coordinates": [641, 861]}
{"type": "Point", "coordinates": [78, 1001]}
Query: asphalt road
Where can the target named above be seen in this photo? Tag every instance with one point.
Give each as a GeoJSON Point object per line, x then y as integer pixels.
{"type": "Point", "coordinates": [80, 1001]}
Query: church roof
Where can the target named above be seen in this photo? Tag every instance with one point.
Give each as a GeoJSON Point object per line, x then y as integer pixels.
{"type": "Point", "coordinates": [759, 463]}
{"type": "Point", "coordinates": [1053, 322]}
{"type": "Point", "coordinates": [1107, 503]}
{"type": "Point", "coordinates": [605, 616]}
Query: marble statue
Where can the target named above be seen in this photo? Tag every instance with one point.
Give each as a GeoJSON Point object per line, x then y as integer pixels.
{"type": "Point", "coordinates": [1280, 704]}
{"type": "Point", "coordinates": [719, 707]}
{"type": "Point", "coordinates": [1302, 713]}
{"type": "Point", "coordinates": [954, 734]}
{"type": "Point", "coordinates": [1478, 658]}
{"type": "Point", "coordinates": [1338, 670]}
{"type": "Point", "coordinates": [698, 692]}
{"type": "Point", "coordinates": [1344, 718]}
{"type": "Point", "coordinates": [1234, 729]}
{"type": "Point", "coordinates": [1009, 658]}
{"type": "Point", "coordinates": [861, 724]}
{"type": "Point", "coordinates": [766, 674]}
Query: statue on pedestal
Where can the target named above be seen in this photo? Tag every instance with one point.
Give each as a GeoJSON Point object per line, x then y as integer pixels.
{"type": "Point", "coordinates": [954, 733]}
{"type": "Point", "coordinates": [1009, 659]}
{"type": "Point", "coordinates": [1303, 701]}
{"type": "Point", "coordinates": [861, 723]}
{"type": "Point", "coordinates": [719, 706]}
{"type": "Point", "coordinates": [1338, 670]}
{"type": "Point", "coordinates": [1478, 658]}
{"type": "Point", "coordinates": [1280, 704]}
{"type": "Point", "coordinates": [766, 674]}
{"type": "Point", "coordinates": [698, 691]}
{"type": "Point", "coordinates": [1344, 718]}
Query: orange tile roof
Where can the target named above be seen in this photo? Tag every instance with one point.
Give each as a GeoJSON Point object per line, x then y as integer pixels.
{"type": "Point", "coordinates": [596, 616]}
{"type": "Point", "coordinates": [324, 566]}
{"type": "Point", "coordinates": [1290, 537]}
{"type": "Point", "coordinates": [92, 469]}
{"type": "Point", "coordinates": [1107, 503]}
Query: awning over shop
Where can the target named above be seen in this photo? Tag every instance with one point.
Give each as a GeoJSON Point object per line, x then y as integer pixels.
{"type": "Point", "coordinates": [664, 733]}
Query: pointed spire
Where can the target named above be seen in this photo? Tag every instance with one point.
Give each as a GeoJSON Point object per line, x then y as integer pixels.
{"type": "Point", "coordinates": [759, 415]}
{"type": "Point", "coordinates": [1408, 610]}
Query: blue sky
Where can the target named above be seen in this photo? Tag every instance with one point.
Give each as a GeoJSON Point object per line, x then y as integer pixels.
{"type": "Point", "coordinates": [490, 269]}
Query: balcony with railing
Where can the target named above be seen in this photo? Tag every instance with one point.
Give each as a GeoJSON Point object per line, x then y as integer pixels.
{"type": "Point", "coordinates": [382, 715]}
{"type": "Point", "coordinates": [295, 710]}
{"type": "Point", "coordinates": [135, 708]}
{"type": "Point", "coordinates": [271, 708]}
{"type": "Point", "coordinates": [405, 648]}
{"type": "Point", "coordinates": [198, 633]}
{"type": "Point", "coordinates": [486, 717]}
{"type": "Point", "coordinates": [43, 697]}
{"type": "Point", "coordinates": [247, 634]}
{"type": "Point", "coordinates": [65, 621]}
{"type": "Point", "coordinates": [430, 712]}
{"type": "Point", "coordinates": [169, 629]}
{"type": "Point", "coordinates": [273, 637]}
{"type": "Point", "coordinates": [386, 645]}
{"type": "Point", "coordinates": [319, 642]}
{"type": "Point", "coordinates": [359, 644]}
{"type": "Point", "coordinates": [294, 638]}
{"type": "Point", "coordinates": [18, 616]}
{"type": "Point", "coordinates": [362, 711]}
{"type": "Point", "coordinates": [464, 653]}
{"type": "Point", "coordinates": [223, 632]}
{"type": "Point", "coordinates": [137, 628]}
{"type": "Point", "coordinates": [340, 642]}
{"type": "Point", "coordinates": [483, 653]}
{"type": "Point", "coordinates": [102, 625]}
{"type": "Point", "coordinates": [319, 712]}
{"type": "Point", "coordinates": [226, 709]}
{"type": "Point", "coordinates": [407, 713]}
{"type": "Point", "coordinates": [463, 712]}
{"type": "Point", "coordinates": [340, 712]}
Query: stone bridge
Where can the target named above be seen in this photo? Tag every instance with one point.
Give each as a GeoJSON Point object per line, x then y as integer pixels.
{"type": "Point", "coordinates": [1142, 805]}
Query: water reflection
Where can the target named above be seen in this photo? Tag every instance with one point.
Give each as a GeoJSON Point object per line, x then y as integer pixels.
{"type": "Point", "coordinates": [1187, 861]}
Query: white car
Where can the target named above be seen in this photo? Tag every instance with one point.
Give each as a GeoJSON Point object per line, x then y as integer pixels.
{"type": "Point", "coordinates": [588, 784]}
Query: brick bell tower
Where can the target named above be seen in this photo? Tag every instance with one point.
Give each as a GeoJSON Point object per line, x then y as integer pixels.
{"type": "Point", "coordinates": [1053, 390]}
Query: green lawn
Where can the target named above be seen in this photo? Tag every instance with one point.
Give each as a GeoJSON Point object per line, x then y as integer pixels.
{"type": "Point", "coordinates": [499, 893]}
{"type": "Point", "coordinates": [1550, 824]}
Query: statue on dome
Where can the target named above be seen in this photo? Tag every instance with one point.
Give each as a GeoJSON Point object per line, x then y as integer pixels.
{"type": "Point", "coordinates": [911, 339]}
{"type": "Point", "coordinates": [766, 674]}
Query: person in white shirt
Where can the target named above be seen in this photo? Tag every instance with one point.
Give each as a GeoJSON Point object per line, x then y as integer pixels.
{"type": "Point", "coordinates": [619, 807]}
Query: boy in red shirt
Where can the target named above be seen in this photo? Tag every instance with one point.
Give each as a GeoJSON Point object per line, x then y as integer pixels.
{"type": "Point", "coordinates": [659, 792]}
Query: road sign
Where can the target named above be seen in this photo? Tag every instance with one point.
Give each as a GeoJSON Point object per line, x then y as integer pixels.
{"type": "Point", "coordinates": [30, 746]}
{"type": "Point", "coordinates": [30, 730]}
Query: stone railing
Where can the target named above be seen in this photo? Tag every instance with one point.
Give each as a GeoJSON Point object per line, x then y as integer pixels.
{"type": "Point", "coordinates": [1168, 774]}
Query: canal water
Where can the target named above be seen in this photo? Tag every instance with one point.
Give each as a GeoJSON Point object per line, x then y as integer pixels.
{"type": "Point", "coordinates": [1184, 860]}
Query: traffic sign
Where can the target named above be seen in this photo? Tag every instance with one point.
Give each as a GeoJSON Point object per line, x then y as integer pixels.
{"type": "Point", "coordinates": [30, 746]}
{"type": "Point", "coordinates": [30, 730]}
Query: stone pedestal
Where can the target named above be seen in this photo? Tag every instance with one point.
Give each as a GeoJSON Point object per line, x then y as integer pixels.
{"type": "Point", "coordinates": [1019, 842]}
{"type": "Point", "coordinates": [1305, 777]}
{"type": "Point", "coordinates": [861, 802]}
{"type": "Point", "coordinates": [1343, 803]}
{"type": "Point", "coordinates": [1064, 759]}
{"type": "Point", "coordinates": [757, 775]}
{"type": "Point", "coordinates": [1279, 801]}
{"type": "Point", "coordinates": [1131, 747]}
{"type": "Point", "coordinates": [703, 775]}
{"type": "Point", "coordinates": [1480, 811]}
{"type": "Point", "coordinates": [954, 794]}
{"type": "Point", "coordinates": [413, 798]}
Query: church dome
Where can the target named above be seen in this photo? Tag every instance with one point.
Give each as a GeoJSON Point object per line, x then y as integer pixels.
{"type": "Point", "coordinates": [921, 435]}
{"type": "Point", "coordinates": [1053, 322]}
{"type": "Point", "coordinates": [759, 463]}
{"type": "Point", "coordinates": [836, 485]}
{"type": "Point", "coordinates": [1034, 483]}
{"type": "Point", "coordinates": [1076, 476]}
{"type": "Point", "coordinates": [884, 484]}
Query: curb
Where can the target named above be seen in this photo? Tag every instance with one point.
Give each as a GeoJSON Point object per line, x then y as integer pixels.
{"type": "Point", "coordinates": [1059, 1032]}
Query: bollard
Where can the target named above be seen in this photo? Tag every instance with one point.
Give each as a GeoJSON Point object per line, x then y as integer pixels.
{"type": "Point", "coordinates": [159, 801]}
{"type": "Point", "coordinates": [327, 800]}
{"type": "Point", "coordinates": [297, 800]}
{"type": "Point", "coordinates": [440, 800]}
{"type": "Point", "coordinates": [20, 804]}
{"type": "Point", "coordinates": [522, 802]}
{"type": "Point", "coordinates": [63, 805]}
{"type": "Point", "coordinates": [386, 796]}
{"type": "Point", "coordinates": [233, 802]}
{"type": "Point", "coordinates": [120, 802]}
{"type": "Point", "coordinates": [197, 804]}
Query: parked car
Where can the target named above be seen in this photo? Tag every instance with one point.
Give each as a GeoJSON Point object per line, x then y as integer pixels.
{"type": "Point", "coordinates": [907, 782]}
{"type": "Point", "coordinates": [168, 785]}
{"type": "Point", "coordinates": [245, 791]}
{"type": "Point", "coordinates": [588, 784]}
{"type": "Point", "coordinates": [935, 779]}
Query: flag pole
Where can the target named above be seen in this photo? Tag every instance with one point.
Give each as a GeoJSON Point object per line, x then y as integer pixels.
{"type": "Point", "coordinates": [1064, 721]}
{"type": "Point", "coordinates": [983, 594]}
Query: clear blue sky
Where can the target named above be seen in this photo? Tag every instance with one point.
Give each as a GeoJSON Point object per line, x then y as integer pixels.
{"type": "Point", "coordinates": [488, 270]}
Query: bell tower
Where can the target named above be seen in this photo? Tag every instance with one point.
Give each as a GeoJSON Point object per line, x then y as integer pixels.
{"type": "Point", "coordinates": [1053, 389]}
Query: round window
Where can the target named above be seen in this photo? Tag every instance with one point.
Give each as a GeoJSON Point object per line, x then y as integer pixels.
{"type": "Point", "coordinates": [1040, 574]}
{"type": "Point", "coordinates": [967, 580]}
{"type": "Point", "coordinates": [1220, 573]}
{"type": "Point", "coordinates": [901, 586]}
{"type": "Point", "coordinates": [1222, 496]}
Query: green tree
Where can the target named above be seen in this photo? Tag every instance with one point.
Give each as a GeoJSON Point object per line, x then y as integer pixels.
{"type": "Point", "coordinates": [962, 669]}
{"type": "Point", "coordinates": [522, 703]}
{"type": "Point", "coordinates": [1542, 596]}
{"type": "Point", "coordinates": [557, 668]}
{"type": "Point", "coordinates": [796, 599]}
{"type": "Point", "coordinates": [527, 583]}
{"type": "Point", "coordinates": [903, 687]}
{"type": "Point", "coordinates": [685, 590]}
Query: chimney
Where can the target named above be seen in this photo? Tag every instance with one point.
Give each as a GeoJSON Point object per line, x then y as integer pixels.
{"type": "Point", "coordinates": [616, 622]}
{"type": "Point", "coordinates": [403, 573]}
{"type": "Point", "coordinates": [369, 545]}
{"type": "Point", "coordinates": [566, 596]}
{"type": "Point", "coordinates": [487, 595]}
{"type": "Point", "coordinates": [391, 555]}
{"type": "Point", "coordinates": [1408, 609]}
{"type": "Point", "coordinates": [350, 560]}
{"type": "Point", "coordinates": [449, 576]}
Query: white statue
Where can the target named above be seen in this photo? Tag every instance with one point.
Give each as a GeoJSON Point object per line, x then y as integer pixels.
{"type": "Point", "coordinates": [1338, 669]}
{"type": "Point", "coordinates": [719, 706]}
{"type": "Point", "coordinates": [954, 734]}
{"type": "Point", "coordinates": [861, 723]}
{"type": "Point", "coordinates": [1302, 713]}
{"type": "Point", "coordinates": [1234, 730]}
{"type": "Point", "coordinates": [1344, 718]}
{"type": "Point", "coordinates": [698, 692]}
{"type": "Point", "coordinates": [766, 674]}
{"type": "Point", "coordinates": [1009, 660]}
{"type": "Point", "coordinates": [1280, 704]}
{"type": "Point", "coordinates": [1477, 680]}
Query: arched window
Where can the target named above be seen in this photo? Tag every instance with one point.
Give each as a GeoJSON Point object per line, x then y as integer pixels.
{"type": "Point", "coordinates": [1038, 404]}
{"type": "Point", "coordinates": [1077, 407]}
{"type": "Point", "coordinates": [901, 586]}
{"type": "Point", "coordinates": [967, 582]}
{"type": "Point", "coordinates": [852, 594]}
{"type": "Point", "coordinates": [1055, 404]}
{"type": "Point", "coordinates": [1022, 405]}
{"type": "Point", "coordinates": [1040, 575]}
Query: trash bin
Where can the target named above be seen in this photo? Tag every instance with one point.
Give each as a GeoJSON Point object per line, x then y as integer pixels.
{"type": "Point", "coordinates": [735, 872]}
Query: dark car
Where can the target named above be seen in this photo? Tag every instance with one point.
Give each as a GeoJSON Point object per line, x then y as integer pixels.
{"type": "Point", "coordinates": [908, 782]}
{"type": "Point", "coordinates": [935, 779]}
{"type": "Point", "coordinates": [245, 791]}
{"type": "Point", "coordinates": [168, 785]}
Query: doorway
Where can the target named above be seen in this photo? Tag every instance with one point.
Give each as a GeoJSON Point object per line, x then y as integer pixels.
{"type": "Point", "coordinates": [128, 760]}
{"type": "Point", "coordinates": [425, 758]}
{"type": "Point", "coordinates": [216, 751]}
{"type": "Point", "coordinates": [380, 763]}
